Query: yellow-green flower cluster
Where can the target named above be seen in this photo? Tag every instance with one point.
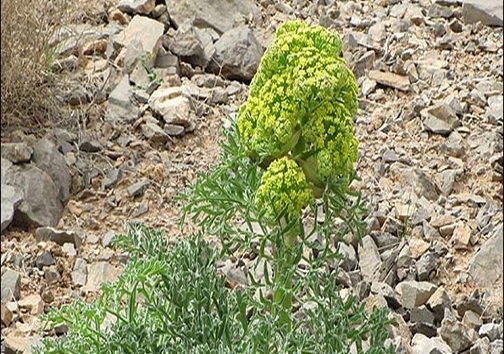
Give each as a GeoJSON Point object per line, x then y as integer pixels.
{"type": "Point", "coordinates": [302, 102]}
{"type": "Point", "coordinates": [283, 185]}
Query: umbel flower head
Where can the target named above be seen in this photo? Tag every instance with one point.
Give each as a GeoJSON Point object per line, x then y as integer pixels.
{"type": "Point", "coordinates": [302, 102]}
{"type": "Point", "coordinates": [283, 185]}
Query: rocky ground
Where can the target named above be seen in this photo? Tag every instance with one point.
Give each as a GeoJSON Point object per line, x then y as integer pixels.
{"type": "Point", "coordinates": [156, 84]}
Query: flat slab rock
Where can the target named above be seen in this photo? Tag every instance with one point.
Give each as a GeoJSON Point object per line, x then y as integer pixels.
{"type": "Point", "coordinates": [390, 79]}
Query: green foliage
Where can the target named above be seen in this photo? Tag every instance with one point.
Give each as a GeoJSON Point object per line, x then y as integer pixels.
{"type": "Point", "coordinates": [169, 299]}
{"type": "Point", "coordinates": [151, 74]}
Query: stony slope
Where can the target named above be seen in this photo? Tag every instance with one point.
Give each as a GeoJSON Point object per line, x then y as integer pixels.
{"type": "Point", "coordinates": [429, 126]}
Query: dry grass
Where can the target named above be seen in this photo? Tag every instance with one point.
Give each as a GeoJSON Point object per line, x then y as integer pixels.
{"type": "Point", "coordinates": [28, 28]}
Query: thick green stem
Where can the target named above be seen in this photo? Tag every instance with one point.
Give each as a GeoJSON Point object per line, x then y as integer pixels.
{"type": "Point", "coordinates": [282, 293]}
{"type": "Point", "coordinates": [282, 298]}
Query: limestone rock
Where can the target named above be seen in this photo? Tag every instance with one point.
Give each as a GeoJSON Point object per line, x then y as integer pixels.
{"type": "Point", "coordinates": [483, 265]}
{"type": "Point", "coordinates": [192, 46]}
{"type": "Point", "coordinates": [47, 157]}
{"type": "Point", "coordinates": [172, 104]}
{"type": "Point", "coordinates": [58, 236]}
{"type": "Point", "coordinates": [421, 344]}
{"type": "Point", "coordinates": [438, 302]}
{"type": "Point", "coordinates": [98, 273]}
{"type": "Point", "coordinates": [41, 205]}
{"type": "Point", "coordinates": [11, 285]}
{"type": "Point", "coordinates": [237, 54]}
{"type": "Point", "coordinates": [221, 15]}
{"type": "Point", "coordinates": [390, 79]}
{"type": "Point", "coordinates": [154, 133]}
{"type": "Point", "coordinates": [440, 119]}
{"type": "Point", "coordinates": [11, 198]}
{"type": "Point", "coordinates": [369, 259]}
{"type": "Point", "coordinates": [121, 106]}
{"type": "Point", "coordinates": [15, 343]}
{"type": "Point", "coordinates": [137, 7]}
{"type": "Point", "coordinates": [414, 293]}
{"type": "Point", "coordinates": [79, 272]}
{"type": "Point", "coordinates": [6, 315]}
{"type": "Point", "coordinates": [455, 334]}
{"type": "Point", "coordinates": [145, 30]}
{"type": "Point", "coordinates": [489, 12]}
{"type": "Point", "coordinates": [16, 152]}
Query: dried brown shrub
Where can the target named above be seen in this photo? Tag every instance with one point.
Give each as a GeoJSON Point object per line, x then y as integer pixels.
{"type": "Point", "coordinates": [28, 30]}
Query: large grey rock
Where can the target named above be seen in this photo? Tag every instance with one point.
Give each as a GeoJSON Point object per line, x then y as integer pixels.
{"type": "Point", "coordinates": [484, 264]}
{"type": "Point", "coordinates": [137, 7]}
{"type": "Point", "coordinates": [138, 188]}
{"type": "Point", "coordinates": [438, 302]}
{"type": "Point", "coordinates": [208, 80]}
{"type": "Point", "coordinates": [16, 152]}
{"type": "Point", "coordinates": [369, 259]}
{"type": "Point", "coordinates": [166, 59]}
{"type": "Point", "coordinates": [11, 285]}
{"type": "Point", "coordinates": [425, 265]}
{"type": "Point", "coordinates": [11, 198]}
{"type": "Point", "coordinates": [440, 119]}
{"type": "Point", "coordinates": [57, 236]}
{"type": "Point", "coordinates": [396, 81]}
{"type": "Point", "coordinates": [495, 108]}
{"type": "Point", "coordinates": [414, 293]}
{"type": "Point", "coordinates": [472, 320]}
{"type": "Point", "coordinates": [79, 272]}
{"type": "Point", "coordinates": [482, 346]}
{"type": "Point", "coordinates": [421, 314]}
{"type": "Point", "coordinates": [113, 176]}
{"type": "Point", "coordinates": [422, 344]}
{"type": "Point", "coordinates": [121, 106]}
{"type": "Point", "coordinates": [449, 177]}
{"type": "Point", "coordinates": [5, 165]}
{"type": "Point", "coordinates": [349, 260]}
{"type": "Point", "coordinates": [363, 63]}
{"type": "Point", "coordinates": [423, 184]}
{"type": "Point", "coordinates": [173, 104]}
{"type": "Point", "coordinates": [41, 205]}
{"type": "Point", "coordinates": [387, 292]}
{"type": "Point", "coordinates": [237, 54]}
{"type": "Point", "coordinates": [221, 15]}
{"type": "Point", "coordinates": [154, 133]}
{"type": "Point", "coordinates": [139, 76]}
{"type": "Point", "coordinates": [47, 157]}
{"type": "Point", "coordinates": [489, 12]}
{"type": "Point", "coordinates": [192, 46]}
{"type": "Point", "coordinates": [490, 330]}
{"type": "Point", "coordinates": [438, 11]}
{"type": "Point", "coordinates": [45, 259]}
{"type": "Point", "coordinates": [458, 336]}
{"type": "Point", "coordinates": [145, 30]}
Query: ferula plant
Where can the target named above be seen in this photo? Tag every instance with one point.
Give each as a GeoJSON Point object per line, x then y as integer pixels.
{"type": "Point", "coordinates": [288, 157]}
{"type": "Point", "coordinates": [278, 197]}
